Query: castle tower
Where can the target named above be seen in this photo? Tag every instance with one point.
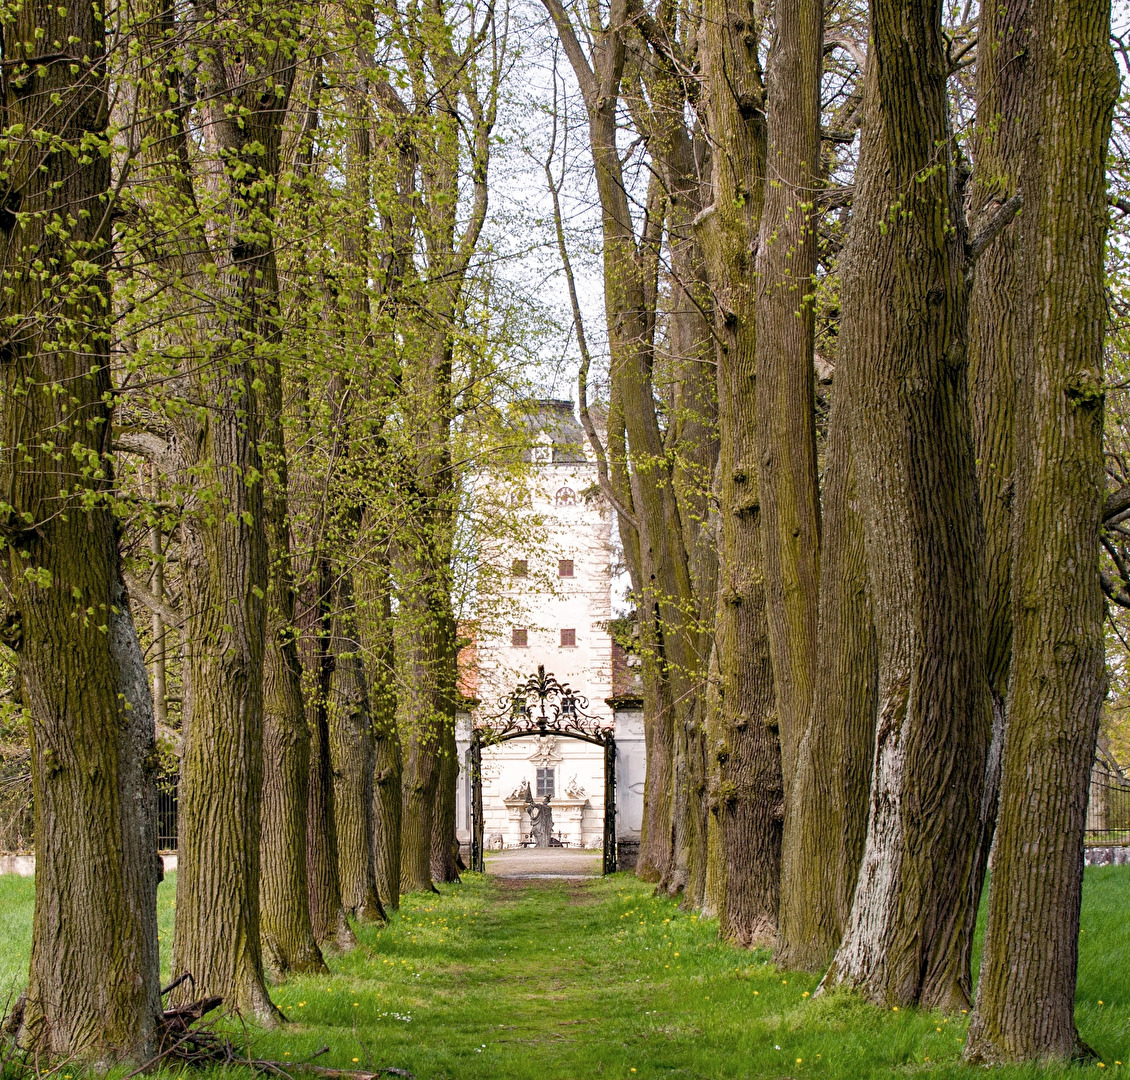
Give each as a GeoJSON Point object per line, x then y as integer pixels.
{"type": "Point", "coordinates": [558, 607]}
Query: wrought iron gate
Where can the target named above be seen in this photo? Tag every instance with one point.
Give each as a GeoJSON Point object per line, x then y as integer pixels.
{"type": "Point", "coordinates": [543, 706]}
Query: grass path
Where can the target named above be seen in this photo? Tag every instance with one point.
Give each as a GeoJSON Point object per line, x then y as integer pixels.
{"type": "Point", "coordinates": [560, 980]}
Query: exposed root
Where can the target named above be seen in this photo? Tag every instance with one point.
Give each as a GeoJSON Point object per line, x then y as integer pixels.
{"type": "Point", "coordinates": [183, 1042]}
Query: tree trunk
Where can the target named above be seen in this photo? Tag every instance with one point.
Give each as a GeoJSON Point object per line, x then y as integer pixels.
{"type": "Point", "coordinates": [998, 140]}
{"type": "Point", "coordinates": [375, 623]}
{"type": "Point", "coordinates": [826, 812]}
{"type": "Point", "coordinates": [786, 435]}
{"type": "Point", "coordinates": [1026, 993]}
{"type": "Point", "coordinates": [323, 883]}
{"type": "Point", "coordinates": [744, 754]}
{"type": "Point", "coordinates": [93, 990]}
{"type": "Point", "coordinates": [351, 751]}
{"type": "Point", "coordinates": [288, 937]}
{"type": "Point", "coordinates": [903, 331]}
{"type": "Point", "coordinates": [224, 555]}
{"type": "Point", "coordinates": [420, 655]}
{"type": "Point", "coordinates": [445, 847]}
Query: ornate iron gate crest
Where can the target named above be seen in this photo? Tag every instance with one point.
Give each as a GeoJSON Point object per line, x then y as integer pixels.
{"type": "Point", "coordinates": [543, 706]}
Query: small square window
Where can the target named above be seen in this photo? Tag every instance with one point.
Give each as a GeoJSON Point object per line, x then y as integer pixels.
{"type": "Point", "coordinates": [545, 783]}
{"type": "Point", "coordinates": [568, 638]}
{"type": "Point", "coordinates": [564, 567]}
{"type": "Point", "coordinates": [519, 638]}
{"type": "Point", "coordinates": [519, 568]}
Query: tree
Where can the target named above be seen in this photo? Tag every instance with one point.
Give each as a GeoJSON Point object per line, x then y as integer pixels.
{"type": "Point", "coordinates": [215, 455]}
{"type": "Point", "coordinates": [1025, 998]}
{"type": "Point", "coordinates": [641, 460]}
{"type": "Point", "coordinates": [784, 271]}
{"type": "Point", "coordinates": [93, 990]}
{"type": "Point", "coordinates": [743, 752]}
{"type": "Point", "coordinates": [826, 806]}
{"type": "Point", "coordinates": [903, 341]}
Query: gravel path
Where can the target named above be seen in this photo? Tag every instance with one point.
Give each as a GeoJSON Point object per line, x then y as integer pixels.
{"type": "Point", "coordinates": [544, 863]}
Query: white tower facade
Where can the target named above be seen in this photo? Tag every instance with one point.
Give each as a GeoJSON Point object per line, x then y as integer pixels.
{"type": "Point", "coordinates": [558, 610]}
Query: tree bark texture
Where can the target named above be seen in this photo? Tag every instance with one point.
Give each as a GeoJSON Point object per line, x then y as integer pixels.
{"type": "Point", "coordinates": [445, 846]}
{"type": "Point", "coordinates": [744, 755]}
{"type": "Point", "coordinates": [1026, 993]}
{"type": "Point", "coordinates": [288, 936]}
{"type": "Point", "coordinates": [224, 542]}
{"type": "Point", "coordinates": [998, 140]}
{"type": "Point", "coordinates": [826, 811]}
{"type": "Point", "coordinates": [323, 883]}
{"type": "Point", "coordinates": [785, 272]}
{"type": "Point", "coordinates": [422, 650]}
{"type": "Point", "coordinates": [904, 334]}
{"type": "Point", "coordinates": [93, 991]}
{"type": "Point", "coordinates": [375, 624]}
{"type": "Point", "coordinates": [351, 752]}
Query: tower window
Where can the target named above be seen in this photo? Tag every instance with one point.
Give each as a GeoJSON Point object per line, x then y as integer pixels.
{"type": "Point", "coordinates": [565, 496]}
{"type": "Point", "coordinates": [519, 568]}
{"type": "Point", "coordinates": [564, 567]}
{"type": "Point", "coordinates": [545, 783]}
{"type": "Point", "coordinates": [568, 638]}
{"type": "Point", "coordinates": [519, 638]}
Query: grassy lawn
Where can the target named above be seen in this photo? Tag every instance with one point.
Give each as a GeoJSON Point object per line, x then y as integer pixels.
{"type": "Point", "coordinates": [559, 980]}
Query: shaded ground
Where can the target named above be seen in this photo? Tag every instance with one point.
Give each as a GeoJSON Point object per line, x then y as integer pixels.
{"type": "Point", "coordinates": [505, 978]}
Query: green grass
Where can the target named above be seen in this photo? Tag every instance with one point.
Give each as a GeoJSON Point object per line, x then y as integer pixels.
{"type": "Point", "coordinates": [564, 981]}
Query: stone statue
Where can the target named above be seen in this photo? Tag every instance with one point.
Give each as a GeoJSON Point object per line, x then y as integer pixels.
{"type": "Point", "coordinates": [541, 820]}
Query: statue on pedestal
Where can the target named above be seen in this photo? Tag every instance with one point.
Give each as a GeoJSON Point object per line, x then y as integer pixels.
{"type": "Point", "coordinates": [541, 820]}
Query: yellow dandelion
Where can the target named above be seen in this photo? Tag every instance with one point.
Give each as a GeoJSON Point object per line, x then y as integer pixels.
{"type": "Point", "coordinates": [799, 1060]}
{"type": "Point", "coordinates": [355, 1060]}
{"type": "Point", "coordinates": [805, 994]}
{"type": "Point", "coordinates": [894, 1008]}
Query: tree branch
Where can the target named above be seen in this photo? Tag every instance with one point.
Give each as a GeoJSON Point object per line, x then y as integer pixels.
{"type": "Point", "coordinates": [603, 478]}
{"type": "Point", "coordinates": [573, 50]}
{"type": "Point", "coordinates": [1003, 214]}
{"type": "Point", "coordinates": [143, 443]}
{"type": "Point", "coordinates": [1117, 502]}
{"type": "Point", "coordinates": [137, 591]}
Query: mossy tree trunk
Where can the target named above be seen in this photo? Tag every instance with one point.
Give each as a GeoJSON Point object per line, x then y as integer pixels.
{"type": "Point", "coordinates": [1026, 993]}
{"type": "Point", "coordinates": [743, 751]}
{"type": "Point", "coordinates": [998, 141]}
{"type": "Point", "coordinates": [904, 331]}
{"type": "Point", "coordinates": [323, 883]}
{"type": "Point", "coordinates": [93, 991]}
{"type": "Point", "coordinates": [288, 937]}
{"type": "Point", "coordinates": [375, 624]}
{"type": "Point", "coordinates": [826, 811]}
{"type": "Point", "coordinates": [784, 273]}
{"type": "Point", "coordinates": [351, 751]}
{"type": "Point", "coordinates": [224, 554]}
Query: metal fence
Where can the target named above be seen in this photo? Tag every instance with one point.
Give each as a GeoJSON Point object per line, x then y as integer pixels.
{"type": "Point", "coordinates": [167, 813]}
{"type": "Point", "coordinates": [1108, 808]}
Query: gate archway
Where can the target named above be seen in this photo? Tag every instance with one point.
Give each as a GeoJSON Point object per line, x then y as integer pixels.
{"type": "Point", "coordinates": [543, 706]}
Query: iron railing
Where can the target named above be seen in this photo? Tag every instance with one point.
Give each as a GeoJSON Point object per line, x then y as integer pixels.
{"type": "Point", "coordinates": [1108, 807]}
{"type": "Point", "coordinates": [167, 813]}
